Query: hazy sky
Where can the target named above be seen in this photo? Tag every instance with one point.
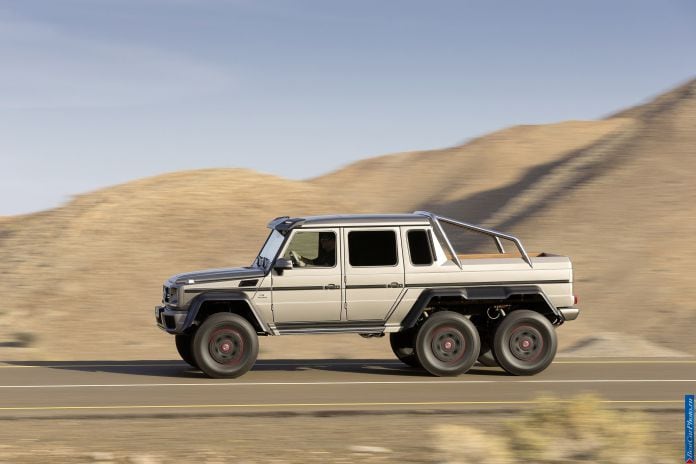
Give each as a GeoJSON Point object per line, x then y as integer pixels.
{"type": "Point", "coordinates": [97, 92]}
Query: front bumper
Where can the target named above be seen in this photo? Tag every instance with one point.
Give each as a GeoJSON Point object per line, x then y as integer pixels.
{"type": "Point", "coordinates": [170, 320]}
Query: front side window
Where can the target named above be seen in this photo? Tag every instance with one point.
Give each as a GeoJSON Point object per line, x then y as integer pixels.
{"type": "Point", "coordinates": [420, 247]}
{"type": "Point", "coordinates": [312, 249]}
{"type": "Point", "coordinates": [372, 248]}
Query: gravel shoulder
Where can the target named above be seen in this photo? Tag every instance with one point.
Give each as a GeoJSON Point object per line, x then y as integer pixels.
{"type": "Point", "coordinates": [294, 439]}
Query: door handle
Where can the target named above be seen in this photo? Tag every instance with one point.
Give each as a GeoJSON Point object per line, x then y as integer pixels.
{"type": "Point", "coordinates": [394, 285]}
{"type": "Point", "coordinates": [332, 287]}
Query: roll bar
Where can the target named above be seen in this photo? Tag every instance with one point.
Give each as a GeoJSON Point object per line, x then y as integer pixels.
{"type": "Point", "coordinates": [435, 219]}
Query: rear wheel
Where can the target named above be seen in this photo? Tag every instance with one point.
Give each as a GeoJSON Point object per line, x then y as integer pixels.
{"type": "Point", "coordinates": [403, 345]}
{"type": "Point", "coordinates": [225, 346]}
{"type": "Point", "coordinates": [486, 357]}
{"type": "Point", "coordinates": [183, 346]}
{"type": "Point", "coordinates": [447, 344]}
{"type": "Point", "coordinates": [525, 343]}
{"type": "Point", "coordinates": [486, 328]}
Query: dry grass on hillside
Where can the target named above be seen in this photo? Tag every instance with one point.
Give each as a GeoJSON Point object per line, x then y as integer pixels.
{"type": "Point", "coordinates": [616, 195]}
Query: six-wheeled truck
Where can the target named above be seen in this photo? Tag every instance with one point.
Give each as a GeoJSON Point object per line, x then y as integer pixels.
{"type": "Point", "coordinates": [373, 275]}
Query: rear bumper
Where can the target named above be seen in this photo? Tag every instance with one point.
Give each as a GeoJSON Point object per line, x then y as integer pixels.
{"type": "Point", "coordinates": [170, 320]}
{"type": "Point", "coordinates": [569, 314]}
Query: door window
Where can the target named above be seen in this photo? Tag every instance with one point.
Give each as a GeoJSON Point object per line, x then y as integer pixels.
{"type": "Point", "coordinates": [312, 249]}
{"type": "Point", "coordinates": [372, 248]}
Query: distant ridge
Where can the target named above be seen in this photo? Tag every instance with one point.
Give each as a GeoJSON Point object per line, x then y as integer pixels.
{"type": "Point", "coordinates": [617, 195]}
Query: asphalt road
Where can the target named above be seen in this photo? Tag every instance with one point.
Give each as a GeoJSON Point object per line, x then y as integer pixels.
{"type": "Point", "coordinates": [154, 388]}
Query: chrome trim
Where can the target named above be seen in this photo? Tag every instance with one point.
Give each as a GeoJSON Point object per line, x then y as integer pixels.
{"type": "Point", "coordinates": [569, 314]}
{"type": "Point", "coordinates": [499, 245]}
{"type": "Point", "coordinates": [440, 231]}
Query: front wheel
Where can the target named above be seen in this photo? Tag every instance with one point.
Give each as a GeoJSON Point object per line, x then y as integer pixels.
{"type": "Point", "coordinates": [447, 344]}
{"type": "Point", "coordinates": [184, 344]}
{"type": "Point", "coordinates": [525, 343]}
{"type": "Point", "coordinates": [225, 346]}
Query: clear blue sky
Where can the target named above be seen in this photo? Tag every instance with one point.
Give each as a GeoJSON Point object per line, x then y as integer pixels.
{"type": "Point", "coordinates": [97, 92]}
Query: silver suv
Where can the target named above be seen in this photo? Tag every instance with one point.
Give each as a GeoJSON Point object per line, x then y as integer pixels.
{"type": "Point", "coordinates": [375, 275]}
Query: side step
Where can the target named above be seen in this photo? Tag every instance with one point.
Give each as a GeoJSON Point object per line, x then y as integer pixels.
{"type": "Point", "coordinates": [295, 328]}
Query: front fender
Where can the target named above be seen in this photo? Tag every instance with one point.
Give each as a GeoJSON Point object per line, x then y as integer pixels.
{"type": "Point", "coordinates": [198, 301]}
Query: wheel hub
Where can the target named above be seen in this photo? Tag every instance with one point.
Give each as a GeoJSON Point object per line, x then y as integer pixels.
{"type": "Point", "coordinates": [226, 346]}
{"type": "Point", "coordinates": [526, 343]}
{"type": "Point", "coordinates": [448, 345]}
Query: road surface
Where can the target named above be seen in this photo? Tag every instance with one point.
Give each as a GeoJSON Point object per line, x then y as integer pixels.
{"type": "Point", "coordinates": [155, 388]}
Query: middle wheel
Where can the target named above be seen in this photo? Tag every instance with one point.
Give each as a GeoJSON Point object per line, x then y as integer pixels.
{"type": "Point", "coordinates": [402, 346]}
{"type": "Point", "coordinates": [447, 344]}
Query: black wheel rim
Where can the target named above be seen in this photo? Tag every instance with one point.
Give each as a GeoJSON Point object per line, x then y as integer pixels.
{"type": "Point", "coordinates": [226, 346]}
{"type": "Point", "coordinates": [448, 345]}
{"type": "Point", "coordinates": [526, 343]}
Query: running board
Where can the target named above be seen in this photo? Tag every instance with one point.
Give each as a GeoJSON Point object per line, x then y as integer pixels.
{"type": "Point", "coordinates": [293, 329]}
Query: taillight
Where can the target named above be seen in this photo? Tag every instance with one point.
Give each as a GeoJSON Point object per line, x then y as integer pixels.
{"type": "Point", "coordinates": [575, 299]}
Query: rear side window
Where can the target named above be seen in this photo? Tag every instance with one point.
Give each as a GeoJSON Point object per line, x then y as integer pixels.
{"type": "Point", "coordinates": [420, 247]}
{"type": "Point", "coordinates": [372, 248]}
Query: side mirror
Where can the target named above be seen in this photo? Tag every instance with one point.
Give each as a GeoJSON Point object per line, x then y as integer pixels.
{"type": "Point", "coordinates": [282, 264]}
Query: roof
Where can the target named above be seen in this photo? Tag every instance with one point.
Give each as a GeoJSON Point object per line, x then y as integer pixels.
{"type": "Point", "coordinates": [354, 220]}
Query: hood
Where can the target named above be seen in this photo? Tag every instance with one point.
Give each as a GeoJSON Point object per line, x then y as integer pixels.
{"type": "Point", "coordinates": [213, 275]}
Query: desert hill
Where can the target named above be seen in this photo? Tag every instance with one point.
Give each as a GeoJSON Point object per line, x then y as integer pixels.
{"type": "Point", "coordinates": [616, 195]}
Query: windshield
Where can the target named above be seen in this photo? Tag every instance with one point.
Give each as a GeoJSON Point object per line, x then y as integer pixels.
{"type": "Point", "coordinates": [270, 249]}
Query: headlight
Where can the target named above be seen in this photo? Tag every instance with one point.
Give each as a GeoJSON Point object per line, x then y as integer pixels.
{"type": "Point", "coordinates": [170, 295]}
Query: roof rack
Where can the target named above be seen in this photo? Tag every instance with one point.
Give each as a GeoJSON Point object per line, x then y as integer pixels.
{"type": "Point", "coordinates": [435, 219]}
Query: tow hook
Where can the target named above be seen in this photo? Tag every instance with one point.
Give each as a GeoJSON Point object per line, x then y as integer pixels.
{"type": "Point", "coordinates": [495, 312]}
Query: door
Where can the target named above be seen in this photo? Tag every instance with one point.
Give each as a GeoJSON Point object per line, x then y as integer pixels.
{"type": "Point", "coordinates": [374, 271]}
{"type": "Point", "coordinates": [311, 290]}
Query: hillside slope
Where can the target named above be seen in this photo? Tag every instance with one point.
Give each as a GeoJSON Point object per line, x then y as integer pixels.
{"type": "Point", "coordinates": [82, 280]}
{"type": "Point", "coordinates": [616, 195]}
{"type": "Point", "coordinates": [629, 224]}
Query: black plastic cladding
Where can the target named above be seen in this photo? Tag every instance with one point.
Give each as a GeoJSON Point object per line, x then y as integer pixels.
{"type": "Point", "coordinates": [198, 301]}
{"type": "Point", "coordinates": [499, 294]}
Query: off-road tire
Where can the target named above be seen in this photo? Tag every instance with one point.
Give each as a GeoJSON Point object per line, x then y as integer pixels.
{"type": "Point", "coordinates": [486, 356]}
{"type": "Point", "coordinates": [184, 347]}
{"type": "Point", "coordinates": [447, 344]}
{"type": "Point", "coordinates": [486, 329]}
{"type": "Point", "coordinates": [403, 345]}
{"type": "Point", "coordinates": [225, 346]}
{"type": "Point", "coordinates": [525, 343]}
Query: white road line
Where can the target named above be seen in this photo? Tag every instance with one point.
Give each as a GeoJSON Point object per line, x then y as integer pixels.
{"type": "Point", "coordinates": [357, 382]}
